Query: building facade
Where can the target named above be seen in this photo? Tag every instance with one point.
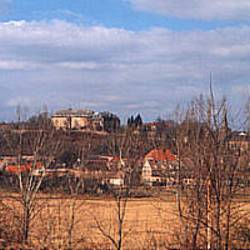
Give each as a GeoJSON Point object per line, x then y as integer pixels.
{"type": "Point", "coordinates": [80, 119]}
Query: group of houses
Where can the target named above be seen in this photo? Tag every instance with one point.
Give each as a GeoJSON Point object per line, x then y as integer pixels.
{"type": "Point", "coordinates": [158, 167]}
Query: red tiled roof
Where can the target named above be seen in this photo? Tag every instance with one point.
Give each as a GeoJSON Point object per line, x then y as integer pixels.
{"type": "Point", "coordinates": [160, 155]}
{"type": "Point", "coordinates": [21, 168]}
{"type": "Point", "coordinates": [116, 159]}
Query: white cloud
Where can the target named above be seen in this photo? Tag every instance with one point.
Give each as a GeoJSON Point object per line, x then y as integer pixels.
{"type": "Point", "coordinates": [79, 65]}
{"type": "Point", "coordinates": [197, 9]}
{"type": "Point", "coordinates": [63, 64]}
{"type": "Point", "coordinates": [19, 65]}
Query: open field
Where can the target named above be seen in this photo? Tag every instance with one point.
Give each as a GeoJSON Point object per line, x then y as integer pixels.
{"type": "Point", "coordinates": [63, 218]}
{"type": "Point", "coordinates": [145, 218]}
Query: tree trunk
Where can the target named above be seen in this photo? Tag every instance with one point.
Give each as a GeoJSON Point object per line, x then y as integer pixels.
{"type": "Point", "coordinates": [26, 223]}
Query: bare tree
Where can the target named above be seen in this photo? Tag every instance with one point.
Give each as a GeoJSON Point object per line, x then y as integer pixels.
{"type": "Point", "coordinates": [41, 146]}
{"type": "Point", "coordinates": [126, 147]}
{"type": "Point", "coordinates": [206, 211]}
{"type": "Point", "coordinates": [75, 184]}
{"type": "Point", "coordinates": [117, 239]}
{"type": "Point", "coordinates": [59, 222]}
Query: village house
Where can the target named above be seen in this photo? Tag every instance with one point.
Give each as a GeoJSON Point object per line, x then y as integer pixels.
{"type": "Point", "coordinates": [158, 168]}
{"type": "Point", "coordinates": [115, 178]}
{"type": "Point", "coordinates": [152, 128]}
{"type": "Point", "coordinates": [97, 169]}
{"type": "Point", "coordinates": [6, 126]}
{"type": "Point", "coordinates": [239, 140]}
{"type": "Point", "coordinates": [103, 169]}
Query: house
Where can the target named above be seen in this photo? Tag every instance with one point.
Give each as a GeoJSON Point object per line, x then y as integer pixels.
{"type": "Point", "coordinates": [103, 169]}
{"type": "Point", "coordinates": [158, 168]}
{"type": "Point", "coordinates": [6, 126]}
{"type": "Point", "coordinates": [9, 163]}
{"type": "Point", "coordinates": [78, 119]}
{"type": "Point", "coordinates": [25, 167]}
{"type": "Point", "coordinates": [239, 140]}
{"type": "Point", "coordinates": [116, 174]}
{"type": "Point", "coordinates": [157, 174]}
{"type": "Point", "coordinates": [159, 126]}
{"type": "Point", "coordinates": [116, 178]}
{"type": "Point", "coordinates": [160, 155]}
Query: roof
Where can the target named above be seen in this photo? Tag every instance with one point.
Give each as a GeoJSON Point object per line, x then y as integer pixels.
{"type": "Point", "coordinates": [118, 159]}
{"type": "Point", "coordinates": [239, 136]}
{"type": "Point", "coordinates": [22, 168]}
{"type": "Point", "coordinates": [75, 112]}
{"type": "Point", "coordinates": [160, 155]}
{"type": "Point", "coordinates": [93, 165]}
{"type": "Point", "coordinates": [167, 123]}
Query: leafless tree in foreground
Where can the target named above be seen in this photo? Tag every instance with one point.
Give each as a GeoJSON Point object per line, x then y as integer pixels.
{"type": "Point", "coordinates": [126, 147]}
{"type": "Point", "coordinates": [42, 146]}
{"type": "Point", "coordinates": [74, 207]}
{"type": "Point", "coordinates": [58, 224]}
{"type": "Point", "coordinates": [115, 235]}
{"type": "Point", "coordinates": [207, 210]}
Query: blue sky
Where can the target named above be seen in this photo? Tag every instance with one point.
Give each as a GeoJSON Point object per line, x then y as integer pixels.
{"type": "Point", "coordinates": [126, 56]}
{"type": "Point", "coordinates": [110, 13]}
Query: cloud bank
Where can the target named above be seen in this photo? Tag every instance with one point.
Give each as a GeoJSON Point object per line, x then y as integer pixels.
{"type": "Point", "coordinates": [66, 65]}
{"type": "Point", "coordinates": [197, 9]}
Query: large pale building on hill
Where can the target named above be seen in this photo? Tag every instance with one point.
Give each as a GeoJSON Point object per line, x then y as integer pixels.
{"type": "Point", "coordinates": [78, 119]}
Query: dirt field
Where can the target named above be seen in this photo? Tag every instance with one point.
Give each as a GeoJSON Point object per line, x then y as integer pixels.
{"type": "Point", "coordinates": [61, 219]}
{"type": "Point", "coordinates": [144, 219]}
{"type": "Point", "coordinates": [74, 222]}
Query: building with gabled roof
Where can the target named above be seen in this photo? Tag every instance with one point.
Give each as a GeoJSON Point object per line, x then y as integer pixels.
{"type": "Point", "coordinates": [160, 155]}
{"type": "Point", "coordinates": [158, 167]}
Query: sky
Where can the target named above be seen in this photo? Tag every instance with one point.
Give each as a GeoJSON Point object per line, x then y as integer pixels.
{"type": "Point", "coordinates": [124, 56]}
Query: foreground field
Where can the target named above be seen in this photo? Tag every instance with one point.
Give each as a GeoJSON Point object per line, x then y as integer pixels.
{"type": "Point", "coordinates": [144, 219]}
{"type": "Point", "coordinates": [84, 223]}
{"type": "Point", "coordinates": [63, 221]}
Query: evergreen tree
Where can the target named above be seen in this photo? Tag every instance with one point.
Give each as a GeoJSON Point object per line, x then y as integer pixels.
{"type": "Point", "coordinates": [138, 121]}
